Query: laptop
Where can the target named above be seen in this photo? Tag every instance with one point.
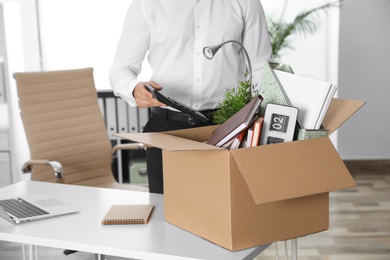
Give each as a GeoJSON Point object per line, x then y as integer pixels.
{"type": "Point", "coordinates": [33, 207]}
{"type": "Point", "coordinates": [177, 104]}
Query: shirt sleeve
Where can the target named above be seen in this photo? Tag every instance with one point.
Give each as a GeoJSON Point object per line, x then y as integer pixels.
{"type": "Point", "coordinates": [256, 38]}
{"type": "Point", "coordinates": [130, 53]}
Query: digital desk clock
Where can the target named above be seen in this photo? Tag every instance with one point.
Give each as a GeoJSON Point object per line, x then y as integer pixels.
{"type": "Point", "coordinates": [279, 124]}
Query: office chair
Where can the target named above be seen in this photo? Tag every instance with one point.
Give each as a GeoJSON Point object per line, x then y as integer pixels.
{"type": "Point", "coordinates": [65, 129]}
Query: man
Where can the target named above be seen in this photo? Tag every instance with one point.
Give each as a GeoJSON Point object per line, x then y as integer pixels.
{"type": "Point", "coordinates": [173, 33]}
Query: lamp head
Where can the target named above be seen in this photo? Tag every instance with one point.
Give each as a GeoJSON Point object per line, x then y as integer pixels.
{"type": "Point", "coordinates": [210, 51]}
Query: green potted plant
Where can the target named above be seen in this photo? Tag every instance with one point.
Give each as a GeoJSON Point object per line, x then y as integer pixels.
{"type": "Point", "coordinates": [234, 100]}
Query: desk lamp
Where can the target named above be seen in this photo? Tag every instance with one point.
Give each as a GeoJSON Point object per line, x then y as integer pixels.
{"type": "Point", "coordinates": [210, 51]}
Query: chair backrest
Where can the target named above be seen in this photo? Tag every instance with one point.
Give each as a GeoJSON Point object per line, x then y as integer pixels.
{"type": "Point", "coordinates": [63, 122]}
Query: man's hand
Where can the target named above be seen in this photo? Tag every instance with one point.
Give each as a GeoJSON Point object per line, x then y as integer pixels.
{"type": "Point", "coordinates": [144, 98]}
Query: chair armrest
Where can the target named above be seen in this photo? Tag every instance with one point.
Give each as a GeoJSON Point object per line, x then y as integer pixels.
{"type": "Point", "coordinates": [57, 167]}
{"type": "Point", "coordinates": [129, 146]}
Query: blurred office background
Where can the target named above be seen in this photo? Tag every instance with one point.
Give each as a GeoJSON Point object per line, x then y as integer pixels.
{"type": "Point", "coordinates": [349, 49]}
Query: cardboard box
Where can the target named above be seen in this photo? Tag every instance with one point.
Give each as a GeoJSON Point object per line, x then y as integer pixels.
{"type": "Point", "coordinates": [252, 196]}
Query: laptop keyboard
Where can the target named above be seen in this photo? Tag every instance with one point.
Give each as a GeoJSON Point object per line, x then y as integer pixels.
{"type": "Point", "coordinates": [21, 208]}
{"type": "Point", "coordinates": [188, 109]}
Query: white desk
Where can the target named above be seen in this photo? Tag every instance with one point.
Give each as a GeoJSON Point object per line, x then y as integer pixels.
{"type": "Point", "coordinates": [83, 231]}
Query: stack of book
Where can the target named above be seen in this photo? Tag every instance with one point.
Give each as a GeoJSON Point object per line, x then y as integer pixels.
{"type": "Point", "coordinates": [243, 129]}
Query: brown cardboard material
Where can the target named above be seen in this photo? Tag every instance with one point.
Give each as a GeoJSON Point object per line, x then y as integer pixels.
{"type": "Point", "coordinates": [251, 196]}
{"type": "Point", "coordinates": [339, 111]}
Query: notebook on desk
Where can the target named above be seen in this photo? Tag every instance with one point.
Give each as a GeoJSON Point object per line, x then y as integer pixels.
{"type": "Point", "coordinates": [33, 207]}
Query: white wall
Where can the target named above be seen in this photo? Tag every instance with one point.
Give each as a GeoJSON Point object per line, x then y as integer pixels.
{"type": "Point", "coordinates": [364, 74]}
{"type": "Point", "coordinates": [21, 54]}
{"type": "Point", "coordinates": [74, 34]}
{"type": "Point", "coordinates": [81, 33]}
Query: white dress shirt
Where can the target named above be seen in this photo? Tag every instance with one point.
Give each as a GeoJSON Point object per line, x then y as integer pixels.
{"type": "Point", "coordinates": [173, 34]}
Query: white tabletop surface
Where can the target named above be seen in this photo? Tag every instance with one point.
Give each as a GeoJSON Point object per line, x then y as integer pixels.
{"type": "Point", "coordinates": [83, 231]}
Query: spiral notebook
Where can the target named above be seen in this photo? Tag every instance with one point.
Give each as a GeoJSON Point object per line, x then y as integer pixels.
{"type": "Point", "coordinates": [128, 214]}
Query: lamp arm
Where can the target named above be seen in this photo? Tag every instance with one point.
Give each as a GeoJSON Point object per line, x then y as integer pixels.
{"type": "Point", "coordinates": [246, 56]}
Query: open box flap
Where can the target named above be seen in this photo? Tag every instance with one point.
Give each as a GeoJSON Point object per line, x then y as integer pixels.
{"type": "Point", "coordinates": [295, 169]}
{"type": "Point", "coordinates": [339, 111]}
{"type": "Point", "coordinates": [199, 134]}
{"type": "Point", "coordinates": [166, 141]}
